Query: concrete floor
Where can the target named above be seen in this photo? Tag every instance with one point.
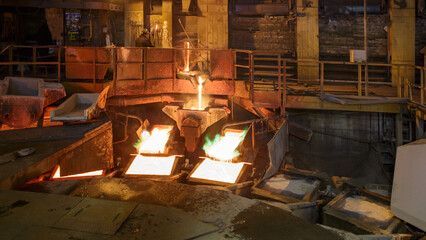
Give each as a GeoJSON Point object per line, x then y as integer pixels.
{"type": "Point", "coordinates": [29, 215]}
{"type": "Point", "coordinates": [206, 204]}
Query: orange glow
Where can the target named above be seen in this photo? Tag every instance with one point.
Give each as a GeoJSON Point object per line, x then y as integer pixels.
{"type": "Point", "coordinates": [200, 89]}
{"type": "Point", "coordinates": [218, 171]}
{"type": "Point", "coordinates": [223, 148]}
{"type": "Point", "coordinates": [57, 174]}
{"type": "Point", "coordinates": [143, 165]}
{"type": "Point", "coordinates": [155, 142]}
{"type": "Point", "coordinates": [187, 57]}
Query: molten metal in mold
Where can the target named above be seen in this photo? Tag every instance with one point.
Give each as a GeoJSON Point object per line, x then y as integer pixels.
{"type": "Point", "coordinates": [143, 165]}
{"type": "Point", "coordinates": [217, 171]}
{"type": "Point", "coordinates": [57, 174]}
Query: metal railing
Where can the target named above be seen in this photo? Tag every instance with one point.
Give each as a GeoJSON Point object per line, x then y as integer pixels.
{"type": "Point", "coordinates": [400, 73]}
{"type": "Point", "coordinates": [279, 78]}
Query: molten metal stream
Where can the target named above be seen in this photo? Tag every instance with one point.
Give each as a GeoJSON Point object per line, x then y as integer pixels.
{"type": "Point", "coordinates": [200, 89]}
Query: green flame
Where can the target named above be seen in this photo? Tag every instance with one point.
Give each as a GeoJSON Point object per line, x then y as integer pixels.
{"type": "Point", "coordinates": [209, 143]}
{"type": "Point", "coordinates": [137, 144]}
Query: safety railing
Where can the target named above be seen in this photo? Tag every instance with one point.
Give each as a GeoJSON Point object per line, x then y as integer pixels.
{"type": "Point", "coordinates": [29, 60]}
{"type": "Point", "coordinates": [421, 87]}
{"type": "Point", "coordinates": [278, 76]}
{"type": "Point", "coordinates": [90, 64]}
{"type": "Point", "coordinates": [398, 80]}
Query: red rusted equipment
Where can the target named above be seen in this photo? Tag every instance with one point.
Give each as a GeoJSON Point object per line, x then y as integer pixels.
{"type": "Point", "coordinates": [22, 99]}
{"type": "Point", "coordinates": [193, 123]}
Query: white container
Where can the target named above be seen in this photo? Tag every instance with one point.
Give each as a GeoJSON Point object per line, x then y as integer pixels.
{"type": "Point", "coordinates": [409, 184]}
{"type": "Point", "coordinates": [80, 107]}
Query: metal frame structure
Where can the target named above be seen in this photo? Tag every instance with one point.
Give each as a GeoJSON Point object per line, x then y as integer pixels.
{"type": "Point", "coordinates": [403, 88]}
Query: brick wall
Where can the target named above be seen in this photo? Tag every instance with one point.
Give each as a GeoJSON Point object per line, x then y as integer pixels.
{"type": "Point", "coordinates": [262, 33]}
{"type": "Point", "coordinates": [340, 33]}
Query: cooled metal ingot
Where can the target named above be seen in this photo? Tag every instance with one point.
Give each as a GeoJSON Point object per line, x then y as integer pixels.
{"type": "Point", "coordinates": [193, 123]}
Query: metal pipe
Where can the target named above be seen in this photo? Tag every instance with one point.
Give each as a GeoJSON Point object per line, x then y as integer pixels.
{"type": "Point", "coordinates": [421, 87]}
{"type": "Point", "coordinates": [123, 102]}
{"type": "Point", "coordinates": [361, 102]}
{"type": "Point", "coordinates": [284, 89]}
{"type": "Point", "coordinates": [10, 60]}
{"type": "Point", "coordinates": [187, 36]}
{"type": "Point", "coordinates": [59, 64]}
{"type": "Point", "coordinates": [322, 79]}
{"type": "Point", "coordinates": [34, 60]}
{"type": "Point", "coordinates": [94, 70]}
{"type": "Point", "coordinates": [366, 80]}
{"type": "Point", "coordinates": [253, 136]}
{"type": "Point", "coordinates": [249, 122]}
{"type": "Point", "coordinates": [398, 89]}
{"type": "Point", "coordinates": [6, 48]}
{"type": "Point", "coordinates": [365, 28]}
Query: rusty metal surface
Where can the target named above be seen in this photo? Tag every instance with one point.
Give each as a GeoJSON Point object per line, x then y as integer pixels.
{"type": "Point", "coordinates": [53, 95]}
{"type": "Point", "coordinates": [79, 62]}
{"type": "Point", "coordinates": [208, 117]}
{"type": "Point", "coordinates": [159, 71]}
{"type": "Point", "coordinates": [22, 99]}
{"type": "Point", "coordinates": [165, 86]}
{"type": "Point", "coordinates": [20, 111]}
{"type": "Point", "coordinates": [130, 88]}
{"type": "Point", "coordinates": [159, 86]}
{"type": "Point", "coordinates": [52, 92]}
{"type": "Point", "coordinates": [191, 130]}
{"type": "Point", "coordinates": [193, 123]}
{"type": "Point", "coordinates": [129, 63]}
{"type": "Point", "coordinates": [94, 152]}
{"type": "Point", "coordinates": [84, 71]}
{"type": "Point", "coordinates": [129, 55]}
{"type": "Point", "coordinates": [210, 87]}
{"type": "Point", "coordinates": [222, 64]}
{"type": "Point", "coordinates": [129, 71]}
{"type": "Point", "coordinates": [87, 54]}
{"type": "Point", "coordinates": [268, 99]}
{"type": "Point", "coordinates": [159, 55]}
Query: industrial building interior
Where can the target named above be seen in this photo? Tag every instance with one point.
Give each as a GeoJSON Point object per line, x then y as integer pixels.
{"type": "Point", "coordinates": [212, 119]}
